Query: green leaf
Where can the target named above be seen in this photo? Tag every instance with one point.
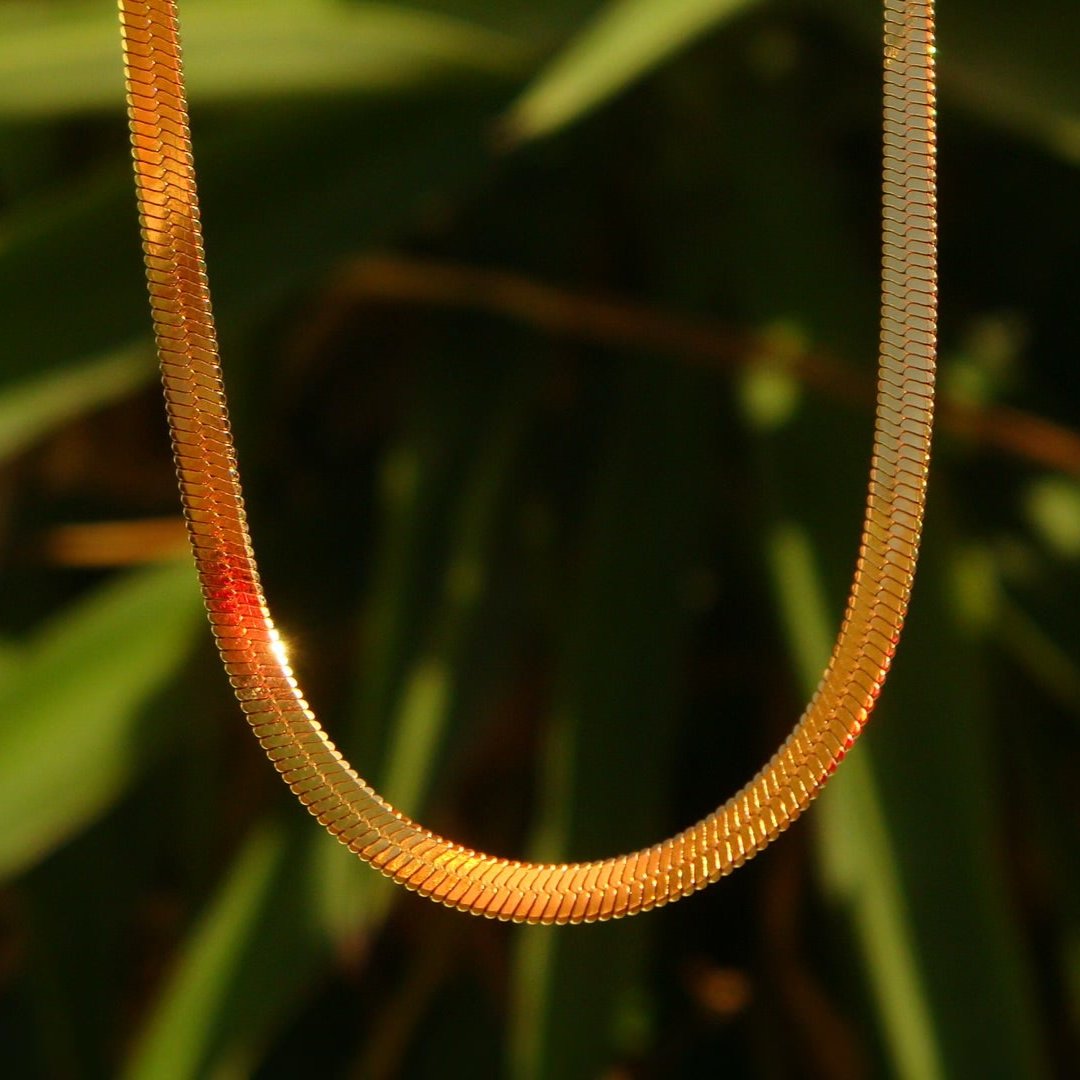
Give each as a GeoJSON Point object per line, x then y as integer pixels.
{"type": "Point", "coordinates": [433, 683]}
{"type": "Point", "coordinates": [907, 826]}
{"type": "Point", "coordinates": [30, 409]}
{"type": "Point", "coordinates": [580, 998]}
{"type": "Point", "coordinates": [417, 667]}
{"type": "Point", "coordinates": [71, 723]}
{"type": "Point", "coordinates": [250, 955]}
{"type": "Point", "coordinates": [526, 19]}
{"type": "Point", "coordinates": [860, 864]}
{"type": "Point", "coordinates": [60, 58]}
{"type": "Point", "coordinates": [417, 478]}
{"type": "Point", "coordinates": [883, 848]}
{"type": "Point", "coordinates": [287, 897]}
{"type": "Point", "coordinates": [625, 41]}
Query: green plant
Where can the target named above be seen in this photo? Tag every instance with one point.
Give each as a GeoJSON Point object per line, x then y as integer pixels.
{"type": "Point", "coordinates": [566, 446]}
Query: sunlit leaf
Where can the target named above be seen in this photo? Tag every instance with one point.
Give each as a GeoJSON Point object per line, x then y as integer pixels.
{"type": "Point", "coordinates": [436, 624]}
{"type": "Point", "coordinates": [579, 1001]}
{"type": "Point", "coordinates": [419, 641]}
{"type": "Point", "coordinates": [213, 1012]}
{"type": "Point", "coordinates": [59, 58]}
{"type": "Point", "coordinates": [251, 953]}
{"type": "Point", "coordinates": [35, 406]}
{"type": "Point", "coordinates": [923, 761]}
{"type": "Point", "coordinates": [71, 727]}
{"type": "Point", "coordinates": [859, 863]}
{"type": "Point", "coordinates": [626, 40]}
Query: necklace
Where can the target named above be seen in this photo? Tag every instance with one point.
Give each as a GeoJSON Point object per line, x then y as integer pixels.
{"type": "Point", "coordinates": [255, 658]}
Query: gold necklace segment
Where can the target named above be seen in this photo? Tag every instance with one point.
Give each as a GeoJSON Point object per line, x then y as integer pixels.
{"type": "Point", "coordinates": [253, 654]}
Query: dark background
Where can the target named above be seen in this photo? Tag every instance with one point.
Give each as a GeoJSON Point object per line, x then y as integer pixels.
{"type": "Point", "coordinates": [551, 354]}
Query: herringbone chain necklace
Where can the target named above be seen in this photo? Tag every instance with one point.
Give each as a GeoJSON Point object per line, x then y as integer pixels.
{"type": "Point", "coordinates": [255, 659]}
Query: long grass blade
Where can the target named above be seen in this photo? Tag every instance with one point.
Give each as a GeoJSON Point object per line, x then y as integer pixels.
{"type": "Point", "coordinates": [624, 42]}
{"type": "Point", "coordinates": [71, 725]}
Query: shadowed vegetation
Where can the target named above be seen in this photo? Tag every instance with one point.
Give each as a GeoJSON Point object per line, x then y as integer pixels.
{"type": "Point", "coordinates": [550, 335]}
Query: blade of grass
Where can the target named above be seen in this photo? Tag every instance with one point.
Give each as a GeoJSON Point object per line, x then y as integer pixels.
{"type": "Point", "coordinates": [929, 904]}
{"type": "Point", "coordinates": [212, 1015]}
{"type": "Point", "coordinates": [248, 957]}
{"type": "Point", "coordinates": [860, 865]}
{"type": "Point", "coordinates": [416, 477]}
{"type": "Point", "coordinates": [430, 689]}
{"type": "Point", "coordinates": [61, 58]}
{"type": "Point", "coordinates": [907, 835]}
{"type": "Point", "coordinates": [625, 41]}
{"type": "Point", "coordinates": [543, 23]}
{"type": "Point", "coordinates": [980, 988]}
{"type": "Point", "coordinates": [427, 658]}
{"type": "Point", "coordinates": [579, 998]}
{"type": "Point", "coordinates": [71, 727]}
{"type": "Point", "coordinates": [37, 405]}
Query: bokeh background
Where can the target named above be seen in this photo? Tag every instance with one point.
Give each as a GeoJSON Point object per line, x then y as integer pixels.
{"type": "Point", "coordinates": [550, 335]}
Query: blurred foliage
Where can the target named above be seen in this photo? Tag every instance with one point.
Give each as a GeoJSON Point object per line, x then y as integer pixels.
{"type": "Point", "coordinates": [549, 329]}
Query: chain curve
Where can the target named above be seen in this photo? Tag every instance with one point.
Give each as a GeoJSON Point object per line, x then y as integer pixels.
{"type": "Point", "coordinates": [255, 658]}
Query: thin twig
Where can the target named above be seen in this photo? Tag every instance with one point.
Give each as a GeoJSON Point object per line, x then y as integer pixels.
{"type": "Point", "coordinates": [618, 323]}
{"type": "Point", "coordinates": [117, 543]}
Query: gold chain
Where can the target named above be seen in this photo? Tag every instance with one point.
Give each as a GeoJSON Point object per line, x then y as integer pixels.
{"type": "Point", "coordinates": [252, 652]}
